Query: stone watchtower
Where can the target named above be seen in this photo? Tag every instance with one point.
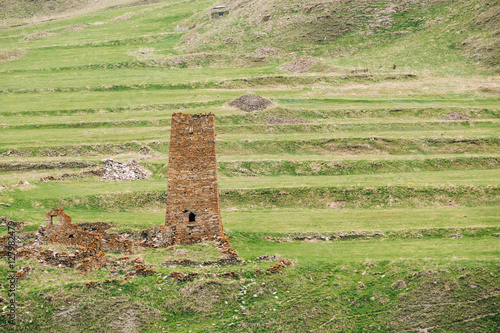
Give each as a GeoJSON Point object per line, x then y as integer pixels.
{"type": "Point", "coordinates": [193, 212]}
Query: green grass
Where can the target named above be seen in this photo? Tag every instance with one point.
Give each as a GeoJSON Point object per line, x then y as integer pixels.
{"type": "Point", "coordinates": [325, 221]}
{"type": "Point", "coordinates": [321, 254]}
{"type": "Point", "coordinates": [366, 151]}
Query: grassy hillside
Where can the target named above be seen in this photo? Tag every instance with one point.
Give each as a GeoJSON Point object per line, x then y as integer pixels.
{"type": "Point", "coordinates": [375, 170]}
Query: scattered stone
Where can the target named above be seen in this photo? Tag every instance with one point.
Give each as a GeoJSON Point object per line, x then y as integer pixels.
{"type": "Point", "coordinates": [250, 103]}
{"type": "Point", "coordinates": [299, 65]}
{"type": "Point", "coordinates": [22, 273]}
{"type": "Point", "coordinates": [268, 258]}
{"type": "Point", "coordinates": [181, 277]}
{"type": "Point", "coordinates": [189, 262]}
{"type": "Point", "coordinates": [231, 275]}
{"type": "Point", "coordinates": [282, 263]}
{"type": "Point", "coordinates": [140, 269]}
{"type": "Point", "coordinates": [92, 284]}
{"type": "Point", "coordinates": [47, 178]}
{"type": "Point", "coordinates": [400, 284]}
{"type": "Point", "coordinates": [456, 236]}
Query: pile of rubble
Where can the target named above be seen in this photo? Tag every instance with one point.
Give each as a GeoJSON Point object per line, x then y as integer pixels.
{"type": "Point", "coordinates": [89, 239]}
{"type": "Point", "coordinates": [111, 171]}
{"type": "Point", "coordinates": [251, 103]}
{"type": "Point", "coordinates": [299, 65]}
{"type": "Point", "coordinates": [118, 171]}
{"type": "Point", "coordinates": [140, 269]}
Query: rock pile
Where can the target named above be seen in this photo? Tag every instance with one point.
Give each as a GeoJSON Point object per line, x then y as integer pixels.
{"type": "Point", "coordinates": [118, 171]}
{"type": "Point", "coordinates": [299, 65]}
{"type": "Point", "coordinates": [251, 103]}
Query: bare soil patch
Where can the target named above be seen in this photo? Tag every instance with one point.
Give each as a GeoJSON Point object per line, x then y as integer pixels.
{"type": "Point", "coordinates": [10, 55]}
{"type": "Point", "coordinates": [39, 35]}
{"type": "Point", "coordinates": [75, 28]}
{"type": "Point", "coordinates": [455, 116]}
{"type": "Point", "coordinates": [299, 65]}
{"type": "Point", "coordinates": [267, 51]}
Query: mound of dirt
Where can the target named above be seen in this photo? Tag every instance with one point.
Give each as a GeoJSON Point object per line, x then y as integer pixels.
{"type": "Point", "coordinates": [299, 65]}
{"type": "Point", "coordinates": [251, 103]}
{"type": "Point", "coordinates": [454, 116]}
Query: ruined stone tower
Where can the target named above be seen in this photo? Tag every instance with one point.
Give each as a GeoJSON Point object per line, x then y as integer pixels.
{"type": "Point", "coordinates": [193, 212]}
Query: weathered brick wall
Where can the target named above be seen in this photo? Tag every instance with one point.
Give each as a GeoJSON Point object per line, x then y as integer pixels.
{"type": "Point", "coordinates": [193, 212]}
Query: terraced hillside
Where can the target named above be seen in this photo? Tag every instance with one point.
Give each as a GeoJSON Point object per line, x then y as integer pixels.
{"type": "Point", "coordinates": [375, 170]}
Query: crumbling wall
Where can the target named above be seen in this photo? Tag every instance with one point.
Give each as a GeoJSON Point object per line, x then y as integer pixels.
{"type": "Point", "coordinates": [91, 240]}
{"type": "Point", "coordinates": [62, 217]}
{"type": "Point", "coordinates": [116, 243]}
{"type": "Point", "coordinates": [67, 233]}
{"type": "Point", "coordinates": [90, 253]}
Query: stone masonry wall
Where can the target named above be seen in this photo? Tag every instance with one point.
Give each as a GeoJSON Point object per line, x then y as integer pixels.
{"type": "Point", "coordinates": [193, 212]}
